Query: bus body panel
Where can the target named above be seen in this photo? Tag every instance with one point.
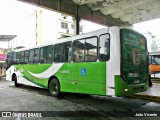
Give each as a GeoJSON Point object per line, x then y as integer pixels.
{"type": "Point", "coordinates": [123, 89]}
{"type": "Point", "coordinates": [71, 79]}
{"type": "Point", "coordinates": [113, 65]}
{"type": "Point", "coordinates": [10, 72]}
{"type": "Point", "coordinates": [154, 62]}
{"type": "Point", "coordinates": [67, 76]}
{"type": "Point", "coordinates": [27, 73]}
{"type": "Point", "coordinates": [99, 77]}
{"type": "Point", "coordinates": [154, 68]}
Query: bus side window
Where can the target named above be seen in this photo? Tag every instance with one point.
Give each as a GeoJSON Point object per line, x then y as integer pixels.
{"type": "Point", "coordinates": [67, 51]}
{"type": "Point", "coordinates": [91, 49]}
{"type": "Point", "coordinates": [157, 60]}
{"type": "Point", "coordinates": [78, 52]}
{"type": "Point", "coordinates": [49, 54]}
{"type": "Point", "coordinates": [17, 57]}
{"type": "Point", "coordinates": [26, 56]}
{"type": "Point", "coordinates": [22, 57]}
{"type": "Point", "coordinates": [14, 57]}
{"type": "Point", "coordinates": [104, 47]}
{"type": "Point", "coordinates": [9, 59]}
{"type": "Point", "coordinates": [150, 60]}
{"type": "Point", "coordinates": [36, 55]}
{"type": "Point", "coordinates": [153, 60]}
{"type": "Point", "coordinates": [31, 56]}
{"type": "Point", "coordinates": [58, 51]}
{"type": "Point", "coordinates": [43, 57]}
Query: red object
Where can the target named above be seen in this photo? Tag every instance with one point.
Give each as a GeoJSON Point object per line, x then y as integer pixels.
{"type": "Point", "coordinates": [3, 57]}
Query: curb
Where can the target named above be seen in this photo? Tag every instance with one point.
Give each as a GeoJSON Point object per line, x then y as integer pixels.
{"type": "Point", "coordinates": [146, 97]}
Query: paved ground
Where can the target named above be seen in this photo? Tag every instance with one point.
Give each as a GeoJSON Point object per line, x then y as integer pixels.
{"type": "Point", "coordinates": [27, 100]}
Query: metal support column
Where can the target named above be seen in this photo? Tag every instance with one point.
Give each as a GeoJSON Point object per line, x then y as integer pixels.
{"type": "Point", "coordinates": [77, 21]}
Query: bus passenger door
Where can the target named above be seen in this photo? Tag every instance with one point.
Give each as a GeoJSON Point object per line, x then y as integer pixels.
{"type": "Point", "coordinates": [89, 69]}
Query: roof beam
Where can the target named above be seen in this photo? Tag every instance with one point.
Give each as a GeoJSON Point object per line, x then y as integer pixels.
{"type": "Point", "coordinates": [69, 7]}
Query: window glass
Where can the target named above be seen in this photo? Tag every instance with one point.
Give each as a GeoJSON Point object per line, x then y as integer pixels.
{"type": "Point", "coordinates": [14, 57]}
{"type": "Point", "coordinates": [72, 26]}
{"type": "Point", "coordinates": [156, 59]}
{"type": "Point", "coordinates": [46, 54]}
{"type": "Point", "coordinates": [49, 54]}
{"type": "Point", "coordinates": [43, 55]}
{"type": "Point", "coordinates": [26, 56]}
{"type": "Point", "coordinates": [31, 56]}
{"type": "Point", "coordinates": [22, 57]}
{"type": "Point", "coordinates": [104, 47]}
{"type": "Point", "coordinates": [36, 55]}
{"type": "Point", "coordinates": [67, 52]}
{"type": "Point", "coordinates": [9, 59]}
{"type": "Point", "coordinates": [9, 55]}
{"type": "Point", "coordinates": [64, 25]}
{"type": "Point", "coordinates": [91, 49]}
{"type": "Point", "coordinates": [58, 51]}
{"type": "Point", "coordinates": [80, 29]}
{"type": "Point", "coordinates": [79, 47]}
{"type": "Point", "coordinates": [17, 57]}
{"type": "Point", "coordinates": [150, 60]}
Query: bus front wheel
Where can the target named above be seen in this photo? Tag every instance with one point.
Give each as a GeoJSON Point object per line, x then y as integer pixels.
{"type": "Point", "coordinates": [15, 81]}
{"type": "Point", "coordinates": [54, 88]}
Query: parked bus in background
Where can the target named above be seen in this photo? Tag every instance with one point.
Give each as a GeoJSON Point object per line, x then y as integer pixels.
{"type": "Point", "coordinates": [154, 62]}
{"type": "Point", "coordinates": [110, 61]}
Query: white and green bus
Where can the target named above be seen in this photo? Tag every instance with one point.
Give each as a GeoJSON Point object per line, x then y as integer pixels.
{"type": "Point", "coordinates": [110, 61]}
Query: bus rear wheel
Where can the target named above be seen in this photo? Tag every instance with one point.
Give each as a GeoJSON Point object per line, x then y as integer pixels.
{"type": "Point", "coordinates": [15, 81]}
{"type": "Point", "coordinates": [54, 88]}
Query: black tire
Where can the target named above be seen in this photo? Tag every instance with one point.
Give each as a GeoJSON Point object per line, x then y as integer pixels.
{"type": "Point", "coordinates": [54, 88]}
{"type": "Point", "coordinates": [15, 81]}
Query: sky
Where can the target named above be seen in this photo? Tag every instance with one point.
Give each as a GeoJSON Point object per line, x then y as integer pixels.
{"type": "Point", "coordinates": [14, 14]}
{"type": "Point", "coordinates": [149, 26]}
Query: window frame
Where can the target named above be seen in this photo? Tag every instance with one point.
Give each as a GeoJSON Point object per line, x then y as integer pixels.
{"type": "Point", "coordinates": [64, 25]}
{"type": "Point", "coordinates": [61, 55]}
{"type": "Point", "coordinates": [68, 51]}
{"type": "Point", "coordinates": [18, 57]}
{"type": "Point", "coordinates": [85, 38]}
{"type": "Point", "coordinates": [36, 56]}
{"type": "Point", "coordinates": [109, 47]}
{"type": "Point", "coordinates": [29, 56]}
{"type": "Point", "coordinates": [40, 59]}
{"type": "Point", "coordinates": [14, 58]}
{"type": "Point", "coordinates": [21, 61]}
{"type": "Point", "coordinates": [26, 51]}
{"type": "Point", "coordinates": [47, 57]}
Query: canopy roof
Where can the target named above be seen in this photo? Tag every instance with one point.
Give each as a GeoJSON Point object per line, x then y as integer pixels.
{"type": "Point", "coordinates": [6, 38]}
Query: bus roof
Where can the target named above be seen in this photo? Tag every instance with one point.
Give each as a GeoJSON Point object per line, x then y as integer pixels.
{"type": "Point", "coordinates": [72, 38]}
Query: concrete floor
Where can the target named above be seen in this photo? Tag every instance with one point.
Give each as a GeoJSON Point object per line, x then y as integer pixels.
{"type": "Point", "coordinates": [27, 99]}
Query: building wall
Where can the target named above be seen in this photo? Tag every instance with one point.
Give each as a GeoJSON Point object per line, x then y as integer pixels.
{"type": "Point", "coordinates": [44, 25]}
